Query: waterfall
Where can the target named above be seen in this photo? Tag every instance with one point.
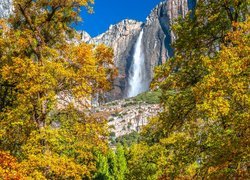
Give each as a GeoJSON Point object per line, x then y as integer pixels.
{"type": "Point", "coordinates": [137, 80]}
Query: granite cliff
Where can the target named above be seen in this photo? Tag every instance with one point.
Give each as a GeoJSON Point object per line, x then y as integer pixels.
{"type": "Point", "coordinates": [157, 39]}
{"type": "Point", "coordinates": [5, 8]}
{"type": "Point", "coordinates": [122, 37]}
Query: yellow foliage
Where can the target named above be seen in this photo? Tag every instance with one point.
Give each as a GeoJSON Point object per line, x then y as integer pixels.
{"type": "Point", "coordinates": [9, 167]}
{"type": "Point", "coordinates": [204, 127]}
{"type": "Point", "coordinates": [40, 68]}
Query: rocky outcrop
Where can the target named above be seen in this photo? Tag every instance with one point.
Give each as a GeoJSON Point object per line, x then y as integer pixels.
{"type": "Point", "coordinates": [157, 39]}
{"type": "Point", "coordinates": [5, 8]}
{"type": "Point", "coordinates": [157, 32]}
{"type": "Point", "coordinates": [121, 37]}
{"type": "Point", "coordinates": [126, 116]}
{"type": "Point", "coordinates": [85, 37]}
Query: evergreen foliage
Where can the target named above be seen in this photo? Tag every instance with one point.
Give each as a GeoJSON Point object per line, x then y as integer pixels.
{"type": "Point", "coordinates": [112, 166]}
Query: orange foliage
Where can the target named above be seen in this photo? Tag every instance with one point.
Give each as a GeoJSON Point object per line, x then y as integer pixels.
{"type": "Point", "coordinates": [9, 167]}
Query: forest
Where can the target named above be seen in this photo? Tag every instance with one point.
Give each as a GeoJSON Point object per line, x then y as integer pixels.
{"type": "Point", "coordinates": [47, 82]}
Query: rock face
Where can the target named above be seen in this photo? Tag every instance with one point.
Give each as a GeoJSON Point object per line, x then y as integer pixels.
{"type": "Point", "coordinates": [126, 116]}
{"type": "Point", "coordinates": [121, 37]}
{"type": "Point", "coordinates": [5, 8]}
{"type": "Point", "coordinates": [157, 33]}
{"type": "Point", "coordinates": [85, 37]}
{"type": "Point", "coordinates": [157, 39]}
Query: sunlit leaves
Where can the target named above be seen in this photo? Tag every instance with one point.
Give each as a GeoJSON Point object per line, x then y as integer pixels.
{"type": "Point", "coordinates": [47, 82]}
{"type": "Point", "coordinates": [204, 128]}
{"type": "Point", "coordinates": [9, 167]}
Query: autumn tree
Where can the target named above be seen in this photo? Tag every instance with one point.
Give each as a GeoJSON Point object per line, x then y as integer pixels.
{"type": "Point", "coordinates": [47, 82]}
{"type": "Point", "coordinates": [202, 132]}
{"type": "Point", "coordinates": [145, 161]}
{"type": "Point", "coordinates": [9, 167]}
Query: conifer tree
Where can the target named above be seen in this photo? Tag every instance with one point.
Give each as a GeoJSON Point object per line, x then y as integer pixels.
{"type": "Point", "coordinates": [121, 163]}
{"type": "Point", "coordinates": [102, 168]}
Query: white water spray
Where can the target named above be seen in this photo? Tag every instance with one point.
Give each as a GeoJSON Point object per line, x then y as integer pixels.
{"type": "Point", "coordinates": [137, 72]}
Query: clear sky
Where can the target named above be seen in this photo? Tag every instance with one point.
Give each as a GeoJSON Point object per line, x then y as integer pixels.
{"type": "Point", "coordinates": [107, 12]}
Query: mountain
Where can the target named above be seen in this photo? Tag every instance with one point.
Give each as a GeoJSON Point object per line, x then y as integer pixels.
{"type": "Point", "coordinates": [5, 8]}
{"type": "Point", "coordinates": [156, 42]}
{"type": "Point", "coordinates": [128, 115]}
{"type": "Point", "coordinates": [122, 37]}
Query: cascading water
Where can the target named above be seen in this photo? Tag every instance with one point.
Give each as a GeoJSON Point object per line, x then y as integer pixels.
{"type": "Point", "coordinates": [137, 73]}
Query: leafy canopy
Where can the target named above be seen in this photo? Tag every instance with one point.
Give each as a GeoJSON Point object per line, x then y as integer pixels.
{"type": "Point", "coordinates": [47, 82]}
{"type": "Point", "coordinates": [204, 128]}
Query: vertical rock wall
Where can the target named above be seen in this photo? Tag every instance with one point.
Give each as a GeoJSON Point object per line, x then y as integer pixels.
{"type": "Point", "coordinates": [157, 39]}
{"type": "Point", "coordinates": [5, 8]}
{"type": "Point", "coordinates": [121, 37]}
{"type": "Point", "coordinates": [158, 35]}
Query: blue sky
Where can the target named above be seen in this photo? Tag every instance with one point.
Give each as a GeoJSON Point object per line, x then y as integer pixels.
{"type": "Point", "coordinates": [107, 12]}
